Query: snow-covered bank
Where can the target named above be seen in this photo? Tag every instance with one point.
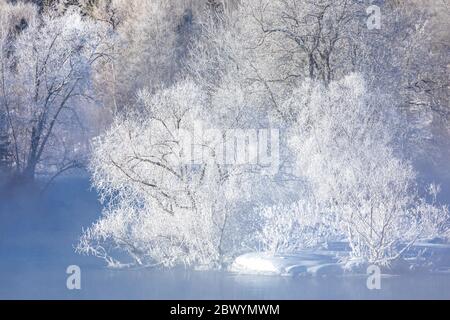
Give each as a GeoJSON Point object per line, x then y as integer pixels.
{"type": "Point", "coordinates": [293, 265]}
{"type": "Point", "coordinates": [423, 257]}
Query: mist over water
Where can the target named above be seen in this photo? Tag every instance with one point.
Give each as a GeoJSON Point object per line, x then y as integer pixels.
{"type": "Point", "coordinates": [37, 242]}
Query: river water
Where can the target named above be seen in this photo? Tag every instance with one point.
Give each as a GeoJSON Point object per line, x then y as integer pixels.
{"type": "Point", "coordinates": [36, 247]}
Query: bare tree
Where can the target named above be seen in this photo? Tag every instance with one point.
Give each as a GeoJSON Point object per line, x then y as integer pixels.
{"type": "Point", "coordinates": [44, 76]}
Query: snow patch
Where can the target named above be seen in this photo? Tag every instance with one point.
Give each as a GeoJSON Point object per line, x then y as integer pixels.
{"type": "Point", "coordinates": [303, 263]}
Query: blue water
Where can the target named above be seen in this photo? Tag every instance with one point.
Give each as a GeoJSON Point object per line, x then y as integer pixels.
{"type": "Point", "coordinates": [36, 247]}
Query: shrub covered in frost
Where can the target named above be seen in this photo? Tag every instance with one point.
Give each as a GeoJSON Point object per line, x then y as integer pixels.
{"type": "Point", "coordinates": [347, 140]}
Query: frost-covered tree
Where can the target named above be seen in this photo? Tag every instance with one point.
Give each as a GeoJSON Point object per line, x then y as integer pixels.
{"type": "Point", "coordinates": [45, 73]}
{"type": "Point", "coordinates": [169, 198]}
{"type": "Point", "coordinates": [342, 95]}
{"type": "Point", "coordinates": [288, 228]}
{"type": "Point", "coordinates": [407, 58]}
{"type": "Point", "coordinates": [151, 39]}
{"type": "Point", "coordinates": [267, 48]}
{"type": "Point", "coordinates": [346, 139]}
{"type": "Point", "coordinates": [5, 155]}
